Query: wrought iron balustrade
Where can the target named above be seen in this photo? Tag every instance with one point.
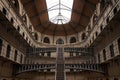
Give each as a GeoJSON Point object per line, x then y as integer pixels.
{"type": "Point", "coordinates": [83, 51]}
{"type": "Point", "coordinates": [74, 67]}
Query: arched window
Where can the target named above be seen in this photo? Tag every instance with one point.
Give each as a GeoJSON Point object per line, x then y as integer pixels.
{"type": "Point", "coordinates": [30, 27]}
{"type": "Point", "coordinates": [15, 55]}
{"type": "Point", "coordinates": [21, 58]}
{"type": "Point", "coordinates": [29, 42]}
{"type": "Point", "coordinates": [98, 58]}
{"type": "Point", "coordinates": [59, 41]}
{"type": "Point", "coordinates": [111, 47]}
{"type": "Point", "coordinates": [26, 38]}
{"type": "Point", "coordinates": [36, 36]}
{"type": "Point", "coordinates": [12, 20]}
{"type": "Point", "coordinates": [95, 17]}
{"type": "Point", "coordinates": [46, 40]}
{"type": "Point", "coordinates": [90, 41]}
{"type": "Point", "coordinates": [89, 28]}
{"type": "Point", "coordinates": [8, 51]}
{"type": "Point", "coordinates": [102, 4]}
{"type": "Point", "coordinates": [23, 34]}
{"type": "Point", "coordinates": [107, 20]}
{"type": "Point", "coordinates": [83, 36]}
{"type": "Point", "coordinates": [104, 54]}
{"type": "Point", "coordinates": [1, 41]}
{"type": "Point", "coordinates": [15, 4]}
{"type": "Point", "coordinates": [24, 18]}
{"type": "Point", "coordinates": [72, 40]}
{"type": "Point", "coordinates": [18, 28]}
{"type": "Point", "coordinates": [96, 33]}
{"type": "Point", "coordinates": [4, 11]}
{"type": "Point", "coordinates": [115, 10]}
{"type": "Point", "coordinates": [101, 27]}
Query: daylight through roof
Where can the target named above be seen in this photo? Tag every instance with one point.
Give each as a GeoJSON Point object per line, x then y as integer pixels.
{"type": "Point", "coordinates": [59, 11]}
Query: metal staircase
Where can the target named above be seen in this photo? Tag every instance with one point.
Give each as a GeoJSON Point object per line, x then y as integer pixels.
{"type": "Point", "coordinates": [60, 75]}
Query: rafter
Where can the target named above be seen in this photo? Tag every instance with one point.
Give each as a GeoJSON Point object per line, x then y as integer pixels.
{"type": "Point", "coordinates": [41, 24]}
{"type": "Point", "coordinates": [80, 14]}
{"type": "Point", "coordinates": [54, 31]}
{"type": "Point", "coordinates": [73, 28]}
{"type": "Point", "coordinates": [64, 28]}
{"type": "Point", "coordinates": [78, 24]}
{"type": "Point", "coordinates": [90, 4]}
{"type": "Point", "coordinates": [73, 24]}
{"type": "Point", "coordinates": [73, 11]}
{"type": "Point", "coordinates": [29, 2]}
{"type": "Point", "coordinates": [46, 28]}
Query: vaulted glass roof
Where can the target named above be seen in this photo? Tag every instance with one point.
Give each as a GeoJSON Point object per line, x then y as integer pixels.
{"type": "Point", "coordinates": [59, 11]}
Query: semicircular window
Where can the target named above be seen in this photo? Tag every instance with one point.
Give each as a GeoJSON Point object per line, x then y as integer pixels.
{"type": "Point", "coordinates": [59, 11]}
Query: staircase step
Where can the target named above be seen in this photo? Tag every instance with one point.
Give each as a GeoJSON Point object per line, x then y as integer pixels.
{"type": "Point", "coordinates": [60, 65]}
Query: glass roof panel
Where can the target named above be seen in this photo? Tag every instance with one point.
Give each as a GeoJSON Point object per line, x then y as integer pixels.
{"type": "Point", "coordinates": [59, 11]}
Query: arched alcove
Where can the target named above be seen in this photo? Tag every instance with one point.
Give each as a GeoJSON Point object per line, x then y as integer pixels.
{"type": "Point", "coordinates": [46, 40]}
{"type": "Point", "coordinates": [8, 51]}
{"type": "Point", "coordinates": [83, 36]}
{"type": "Point", "coordinates": [15, 4]}
{"type": "Point", "coordinates": [72, 40]}
{"type": "Point", "coordinates": [36, 36]}
{"type": "Point", "coordinates": [59, 41]}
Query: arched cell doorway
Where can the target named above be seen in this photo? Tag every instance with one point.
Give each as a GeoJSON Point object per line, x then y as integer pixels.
{"type": "Point", "coordinates": [59, 41]}
{"type": "Point", "coordinates": [46, 40]}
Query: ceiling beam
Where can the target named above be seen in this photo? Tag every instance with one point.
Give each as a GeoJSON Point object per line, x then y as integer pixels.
{"type": "Point", "coordinates": [54, 31]}
{"type": "Point", "coordinates": [39, 14]}
{"type": "Point", "coordinates": [72, 28]}
{"type": "Point", "coordinates": [90, 4]}
{"type": "Point", "coordinates": [46, 28]}
{"type": "Point", "coordinates": [46, 11]}
{"type": "Point", "coordinates": [64, 29]}
{"type": "Point", "coordinates": [51, 9]}
{"type": "Point", "coordinates": [41, 24]}
{"type": "Point", "coordinates": [29, 2]}
{"type": "Point", "coordinates": [73, 10]}
{"type": "Point", "coordinates": [78, 24]}
{"type": "Point", "coordinates": [80, 14]}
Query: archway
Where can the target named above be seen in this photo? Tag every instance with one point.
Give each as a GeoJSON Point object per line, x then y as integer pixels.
{"type": "Point", "coordinates": [46, 40]}
{"type": "Point", "coordinates": [59, 41]}
{"type": "Point", "coordinates": [72, 40]}
{"type": "Point", "coordinates": [8, 51]}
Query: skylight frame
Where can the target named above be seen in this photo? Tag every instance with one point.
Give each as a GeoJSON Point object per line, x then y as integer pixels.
{"type": "Point", "coordinates": [59, 10]}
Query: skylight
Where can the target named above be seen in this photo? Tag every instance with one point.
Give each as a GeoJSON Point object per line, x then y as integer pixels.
{"type": "Point", "coordinates": [59, 11]}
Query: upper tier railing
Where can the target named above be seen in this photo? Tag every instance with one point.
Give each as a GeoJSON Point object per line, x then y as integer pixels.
{"type": "Point", "coordinates": [83, 51]}
{"type": "Point", "coordinates": [51, 68]}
